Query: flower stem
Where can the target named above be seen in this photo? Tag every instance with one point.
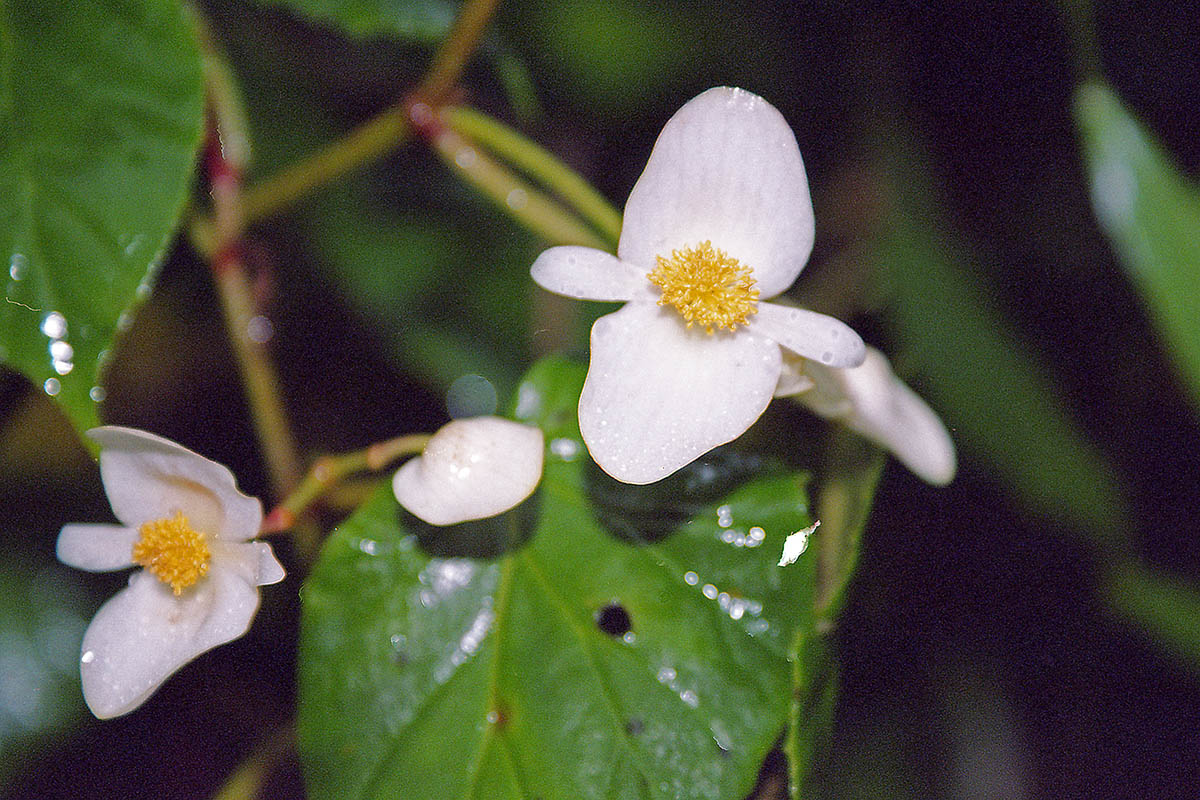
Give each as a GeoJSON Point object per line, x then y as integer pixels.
{"type": "Point", "coordinates": [1080, 19]}
{"type": "Point", "coordinates": [518, 198]}
{"type": "Point", "coordinates": [379, 135]}
{"type": "Point", "coordinates": [248, 779]}
{"type": "Point", "coordinates": [539, 163]}
{"type": "Point", "coordinates": [329, 470]}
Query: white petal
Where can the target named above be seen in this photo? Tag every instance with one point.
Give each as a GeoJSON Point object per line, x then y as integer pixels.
{"type": "Point", "coordinates": [144, 633]}
{"type": "Point", "coordinates": [792, 378]}
{"type": "Point", "coordinates": [471, 469]}
{"type": "Point", "coordinates": [726, 168]}
{"type": "Point", "coordinates": [96, 548]}
{"type": "Point", "coordinates": [871, 400]}
{"type": "Point", "coordinates": [658, 394]}
{"type": "Point", "coordinates": [148, 477]}
{"type": "Point", "coordinates": [254, 562]}
{"type": "Point", "coordinates": [589, 274]}
{"type": "Point", "coordinates": [821, 338]}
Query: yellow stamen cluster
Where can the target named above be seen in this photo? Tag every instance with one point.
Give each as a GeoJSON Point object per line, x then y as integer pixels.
{"type": "Point", "coordinates": [707, 287]}
{"type": "Point", "coordinates": [171, 551]}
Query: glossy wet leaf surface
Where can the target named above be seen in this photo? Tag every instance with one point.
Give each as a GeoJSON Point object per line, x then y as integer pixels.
{"type": "Point", "coordinates": [100, 119]}
{"type": "Point", "coordinates": [617, 652]}
{"type": "Point", "coordinates": [1151, 212]}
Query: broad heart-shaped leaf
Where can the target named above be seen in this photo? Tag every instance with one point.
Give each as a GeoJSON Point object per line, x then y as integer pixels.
{"type": "Point", "coordinates": [635, 646]}
{"type": "Point", "coordinates": [1151, 213]}
{"type": "Point", "coordinates": [417, 20]}
{"type": "Point", "coordinates": [101, 108]}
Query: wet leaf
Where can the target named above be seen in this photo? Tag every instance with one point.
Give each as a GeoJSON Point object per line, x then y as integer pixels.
{"type": "Point", "coordinates": [1151, 212]}
{"type": "Point", "coordinates": [100, 119]}
{"type": "Point", "coordinates": [603, 657]}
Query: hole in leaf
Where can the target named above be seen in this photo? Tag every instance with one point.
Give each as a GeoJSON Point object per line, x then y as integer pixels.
{"type": "Point", "coordinates": [614, 620]}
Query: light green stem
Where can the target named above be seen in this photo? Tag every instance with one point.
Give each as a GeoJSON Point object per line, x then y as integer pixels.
{"type": "Point", "coordinates": [516, 197]}
{"type": "Point", "coordinates": [538, 163]}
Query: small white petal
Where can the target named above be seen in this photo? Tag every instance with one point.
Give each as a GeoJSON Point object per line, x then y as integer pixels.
{"type": "Point", "coordinates": [792, 378]}
{"type": "Point", "coordinates": [815, 336]}
{"type": "Point", "coordinates": [796, 543]}
{"type": "Point", "coordinates": [471, 469]}
{"type": "Point", "coordinates": [658, 394]}
{"type": "Point", "coordinates": [589, 274]}
{"type": "Point", "coordinates": [726, 169]}
{"type": "Point", "coordinates": [96, 548]}
{"type": "Point", "coordinates": [148, 477]}
{"type": "Point", "coordinates": [872, 401]}
{"type": "Point", "coordinates": [254, 562]}
{"type": "Point", "coordinates": [145, 633]}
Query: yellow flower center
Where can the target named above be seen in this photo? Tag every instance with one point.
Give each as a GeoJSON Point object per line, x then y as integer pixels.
{"type": "Point", "coordinates": [707, 287]}
{"type": "Point", "coordinates": [172, 551]}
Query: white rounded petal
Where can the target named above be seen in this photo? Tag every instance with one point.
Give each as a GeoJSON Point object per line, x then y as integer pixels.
{"type": "Point", "coordinates": [96, 548]}
{"type": "Point", "coordinates": [658, 394]}
{"type": "Point", "coordinates": [589, 274]}
{"type": "Point", "coordinates": [815, 336]}
{"type": "Point", "coordinates": [145, 633]}
{"type": "Point", "coordinates": [148, 477]}
{"type": "Point", "coordinates": [872, 401]}
{"type": "Point", "coordinates": [726, 168]}
{"type": "Point", "coordinates": [471, 469]}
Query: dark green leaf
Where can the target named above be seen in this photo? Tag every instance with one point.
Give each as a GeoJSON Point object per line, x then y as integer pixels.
{"type": "Point", "coordinates": [607, 656]}
{"type": "Point", "coordinates": [975, 369]}
{"type": "Point", "coordinates": [1152, 215]}
{"type": "Point", "coordinates": [417, 20]}
{"type": "Point", "coordinates": [101, 108]}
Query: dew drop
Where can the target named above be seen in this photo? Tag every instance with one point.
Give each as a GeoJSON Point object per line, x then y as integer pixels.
{"type": "Point", "coordinates": [517, 199]}
{"type": "Point", "coordinates": [709, 591]}
{"type": "Point", "coordinates": [52, 387]}
{"type": "Point", "coordinates": [689, 697]}
{"type": "Point", "coordinates": [826, 357]}
{"type": "Point", "coordinates": [564, 448]}
{"type": "Point", "coordinates": [691, 578]}
{"type": "Point", "coordinates": [466, 158]}
{"type": "Point", "coordinates": [16, 266]}
{"type": "Point", "coordinates": [259, 330]}
{"type": "Point", "coordinates": [97, 394]}
{"type": "Point", "coordinates": [88, 657]}
{"type": "Point", "coordinates": [54, 325]}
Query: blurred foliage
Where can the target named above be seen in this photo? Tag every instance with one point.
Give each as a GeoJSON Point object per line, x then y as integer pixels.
{"type": "Point", "coordinates": [100, 119]}
{"type": "Point", "coordinates": [609, 656]}
{"type": "Point", "coordinates": [1151, 213]}
{"type": "Point", "coordinates": [973, 366]}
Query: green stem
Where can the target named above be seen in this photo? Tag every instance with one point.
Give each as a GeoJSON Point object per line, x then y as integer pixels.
{"type": "Point", "coordinates": [516, 197]}
{"type": "Point", "coordinates": [540, 164]}
{"type": "Point", "coordinates": [1080, 19]}
{"type": "Point", "coordinates": [379, 135]}
{"type": "Point", "coordinates": [329, 470]}
{"type": "Point", "coordinates": [248, 779]}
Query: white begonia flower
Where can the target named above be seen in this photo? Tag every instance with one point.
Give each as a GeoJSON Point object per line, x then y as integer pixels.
{"type": "Point", "coordinates": [719, 220]}
{"type": "Point", "coordinates": [185, 522]}
{"type": "Point", "coordinates": [471, 469]}
{"type": "Point", "coordinates": [870, 400]}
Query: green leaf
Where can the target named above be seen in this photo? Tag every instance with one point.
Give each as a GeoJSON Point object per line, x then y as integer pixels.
{"type": "Point", "coordinates": [41, 624]}
{"type": "Point", "coordinates": [101, 108]}
{"type": "Point", "coordinates": [1151, 212]}
{"type": "Point", "coordinates": [444, 676]}
{"type": "Point", "coordinates": [976, 370]}
{"type": "Point", "coordinates": [1165, 609]}
{"type": "Point", "coordinates": [418, 20]}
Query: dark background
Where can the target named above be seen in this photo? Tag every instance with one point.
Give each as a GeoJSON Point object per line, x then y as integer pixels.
{"type": "Point", "coordinates": [977, 659]}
